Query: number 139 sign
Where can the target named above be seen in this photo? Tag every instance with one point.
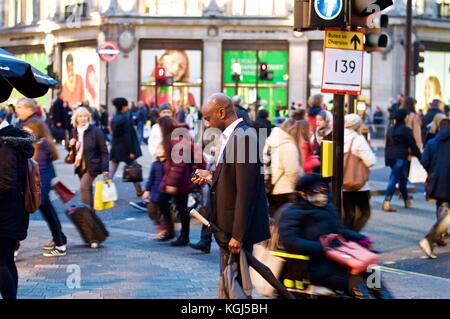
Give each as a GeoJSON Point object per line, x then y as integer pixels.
{"type": "Point", "coordinates": [343, 63]}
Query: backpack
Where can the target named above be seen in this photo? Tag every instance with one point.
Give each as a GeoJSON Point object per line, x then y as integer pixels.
{"type": "Point", "coordinates": [32, 192]}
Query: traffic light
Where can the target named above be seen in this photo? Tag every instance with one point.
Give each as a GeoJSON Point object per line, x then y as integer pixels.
{"type": "Point", "coordinates": [160, 75]}
{"type": "Point", "coordinates": [264, 73]}
{"type": "Point", "coordinates": [375, 38]}
{"type": "Point", "coordinates": [418, 58]}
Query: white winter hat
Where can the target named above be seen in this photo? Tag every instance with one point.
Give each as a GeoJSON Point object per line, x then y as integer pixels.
{"type": "Point", "coordinates": [353, 121]}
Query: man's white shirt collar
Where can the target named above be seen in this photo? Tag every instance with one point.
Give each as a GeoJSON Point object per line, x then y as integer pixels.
{"type": "Point", "coordinates": [226, 136]}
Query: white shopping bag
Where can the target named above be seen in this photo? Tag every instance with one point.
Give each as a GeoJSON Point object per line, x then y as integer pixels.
{"type": "Point", "coordinates": [417, 174]}
{"type": "Point", "coordinates": [147, 129]}
{"type": "Point", "coordinates": [109, 192]}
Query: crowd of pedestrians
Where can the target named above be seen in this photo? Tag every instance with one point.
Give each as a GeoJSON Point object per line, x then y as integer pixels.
{"type": "Point", "coordinates": [236, 196]}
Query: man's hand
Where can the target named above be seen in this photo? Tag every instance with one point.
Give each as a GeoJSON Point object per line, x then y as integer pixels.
{"type": "Point", "coordinates": [146, 196]}
{"type": "Point", "coordinates": [132, 156]}
{"type": "Point", "coordinates": [202, 177]}
{"type": "Point", "coordinates": [234, 246]}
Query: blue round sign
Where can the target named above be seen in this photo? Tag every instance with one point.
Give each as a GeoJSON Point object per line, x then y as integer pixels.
{"type": "Point", "coordinates": [328, 9]}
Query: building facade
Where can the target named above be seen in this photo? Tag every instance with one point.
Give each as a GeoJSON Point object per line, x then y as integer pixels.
{"type": "Point", "coordinates": [200, 42]}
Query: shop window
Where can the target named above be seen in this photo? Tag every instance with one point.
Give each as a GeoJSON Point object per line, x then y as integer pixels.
{"type": "Point", "coordinates": [185, 68]}
{"type": "Point", "coordinates": [257, 8]}
{"type": "Point", "coordinates": [271, 92]}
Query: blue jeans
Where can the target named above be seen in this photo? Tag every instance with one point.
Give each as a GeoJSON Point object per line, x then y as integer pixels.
{"type": "Point", "coordinates": [140, 129]}
{"type": "Point", "coordinates": [398, 175]}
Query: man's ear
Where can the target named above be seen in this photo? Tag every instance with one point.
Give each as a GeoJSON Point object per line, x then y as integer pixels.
{"type": "Point", "coordinates": [222, 113]}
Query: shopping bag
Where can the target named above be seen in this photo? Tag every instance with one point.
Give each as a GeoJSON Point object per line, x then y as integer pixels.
{"type": "Point", "coordinates": [63, 192]}
{"type": "Point", "coordinates": [417, 174]}
{"type": "Point", "coordinates": [109, 192]}
{"type": "Point", "coordinates": [99, 204]}
{"type": "Point", "coordinates": [147, 129]}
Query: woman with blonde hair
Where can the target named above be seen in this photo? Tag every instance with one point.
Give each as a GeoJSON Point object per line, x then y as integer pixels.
{"type": "Point", "coordinates": [45, 153]}
{"type": "Point", "coordinates": [433, 128]}
{"type": "Point", "coordinates": [92, 157]}
{"type": "Point", "coordinates": [282, 157]}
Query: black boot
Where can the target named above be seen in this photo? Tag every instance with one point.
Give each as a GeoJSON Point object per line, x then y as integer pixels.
{"type": "Point", "coordinates": [180, 242]}
{"type": "Point", "coordinates": [202, 246]}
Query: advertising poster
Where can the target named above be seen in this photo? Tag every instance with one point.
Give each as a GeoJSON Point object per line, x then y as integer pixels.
{"type": "Point", "coordinates": [434, 83]}
{"type": "Point", "coordinates": [39, 61]}
{"type": "Point", "coordinates": [186, 68]}
{"type": "Point", "coordinates": [80, 76]}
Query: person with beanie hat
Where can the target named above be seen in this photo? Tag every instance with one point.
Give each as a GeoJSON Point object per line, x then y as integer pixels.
{"type": "Point", "coordinates": [399, 141]}
{"type": "Point", "coordinates": [300, 228]}
{"type": "Point", "coordinates": [353, 201]}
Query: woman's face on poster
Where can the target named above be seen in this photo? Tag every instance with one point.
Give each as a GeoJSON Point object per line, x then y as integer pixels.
{"type": "Point", "coordinates": [176, 64]}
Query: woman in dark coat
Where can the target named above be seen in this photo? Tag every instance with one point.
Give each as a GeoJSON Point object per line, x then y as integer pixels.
{"type": "Point", "coordinates": [124, 145]}
{"type": "Point", "coordinates": [302, 224]}
{"type": "Point", "coordinates": [399, 142]}
{"type": "Point", "coordinates": [45, 153]}
{"type": "Point", "coordinates": [91, 153]}
{"type": "Point", "coordinates": [16, 146]}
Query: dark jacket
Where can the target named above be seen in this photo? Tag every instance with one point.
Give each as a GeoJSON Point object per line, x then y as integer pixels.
{"type": "Point", "coordinates": [57, 113]}
{"type": "Point", "coordinates": [242, 113]}
{"type": "Point", "coordinates": [124, 139]}
{"type": "Point", "coordinates": [238, 202]}
{"type": "Point", "coordinates": [16, 146]}
{"type": "Point", "coordinates": [399, 142]}
{"type": "Point", "coordinates": [154, 180]}
{"type": "Point", "coordinates": [142, 115]}
{"type": "Point", "coordinates": [178, 173]}
{"type": "Point", "coordinates": [436, 160]}
{"type": "Point", "coordinates": [428, 118]}
{"type": "Point", "coordinates": [46, 168]}
{"type": "Point", "coordinates": [95, 151]}
{"type": "Point", "coordinates": [300, 227]}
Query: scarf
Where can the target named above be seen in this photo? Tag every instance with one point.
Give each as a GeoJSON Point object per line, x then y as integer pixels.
{"type": "Point", "coordinates": [80, 144]}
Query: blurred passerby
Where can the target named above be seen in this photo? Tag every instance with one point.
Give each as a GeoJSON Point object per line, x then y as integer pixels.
{"type": "Point", "coordinates": [354, 201]}
{"type": "Point", "coordinates": [282, 151]}
{"type": "Point", "coordinates": [91, 153]}
{"type": "Point", "coordinates": [413, 121]}
{"type": "Point", "coordinates": [156, 135]}
{"type": "Point", "coordinates": [57, 119]}
{"type": "Point", "coordinates": [298, 114]}
{"type": "Point", "coordinates": [315, 104]}
{"type": "Point", "coordinates": [104, 122]}
{"type": "Point", "coordinates": [395, 107]}
{"type": "Point", "coordinates": [141, 119]}
{"type": "Point", "coordinates": [433, 128]}
{"type": "Point", "coordinates": [323, 132]}
{"type": "Point", "coordinates": [437, 106]}
{"type": "Point", "coordinates": [94, 113]}
{"type": "Point", "coordinates": [436, 159]}
{"type": "Point", "coordinates": [124, 145]}
{"type": "Point", "coordinates": [241, 112]}
{"type": "Point", "coordinates": [262, 122]}
{"type": "Point", "coordinates": [309, 160]}
{"type": "Point", "coordinates": [152, 192]}
{"type": "Point", "coordinates": [175, 184]}
{"type": "Point", "coordinates": [378, 121]}
{"type": "Point", "coordinates": [11, 115]}
{"type": "Point", "coordinates": [16, 146]}
{"type": "Point", "coordinates": [399, 141]}
{"type": "Point", "coordinates": [45, 153]}
{"type": "Point", "coordinates": [26, 110]}
{"type": "Point", "coordinates": [302, 224]}
{"type": "Point", "coordinates": [181, 114]}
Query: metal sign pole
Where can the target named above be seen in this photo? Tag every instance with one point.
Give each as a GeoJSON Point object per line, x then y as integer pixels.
{"type": "Point", "coordinates": [107, 84]}
{"type": "Point", "coordinates": [338, 140]}
{"type": "Point", "coordinates": [156, 83]}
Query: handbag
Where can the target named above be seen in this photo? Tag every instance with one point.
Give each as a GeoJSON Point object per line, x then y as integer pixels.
{"type": "Point", "coordinates": [109, 192]}
{"type": "Point", "coordinates": [63, 192]}
{"type": "Point", "coordinates": [349, 254]}
{"type": "Point", "coordinates": [356, 173]}
{"type": "Point", "coordinates": [132, 173]}
{"type": "Point", "coordinates": [417, 174]}
{"type": "Point", "coordinates": [275, 264]}
{"type": "Point", "coordinates": [71, 156]}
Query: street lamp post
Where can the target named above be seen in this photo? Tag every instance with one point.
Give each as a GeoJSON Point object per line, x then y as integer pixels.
{"type": "Point", "coordinates": [237, 71]}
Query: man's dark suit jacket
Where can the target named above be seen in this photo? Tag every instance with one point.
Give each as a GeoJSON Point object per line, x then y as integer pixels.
{"type": "Point", "coordinates": [238, 199]}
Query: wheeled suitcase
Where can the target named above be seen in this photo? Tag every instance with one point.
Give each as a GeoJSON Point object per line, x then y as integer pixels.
{"type": "Point", "coordinates": [88, 224]}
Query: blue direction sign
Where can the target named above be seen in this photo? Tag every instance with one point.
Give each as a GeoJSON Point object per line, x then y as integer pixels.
{"type": "Point", "coordinates": [328, 9]}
